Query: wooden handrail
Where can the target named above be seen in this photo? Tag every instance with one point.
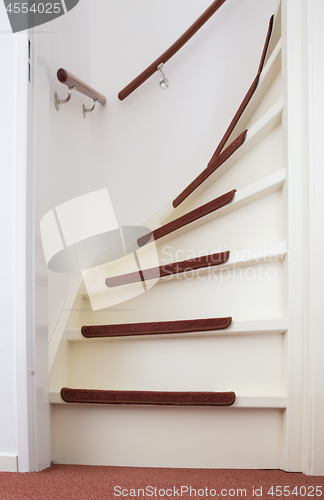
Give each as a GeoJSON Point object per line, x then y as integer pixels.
{"type": "Point", "coordinates": [73, 81]}
{"type": "Point", "coordinates": [150, 70]}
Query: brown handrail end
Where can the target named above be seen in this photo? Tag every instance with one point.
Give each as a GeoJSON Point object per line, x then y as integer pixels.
{"type": "Point", "coordinates": [61, 75]}
{"type": "Point", "coordinates": [72, 81]}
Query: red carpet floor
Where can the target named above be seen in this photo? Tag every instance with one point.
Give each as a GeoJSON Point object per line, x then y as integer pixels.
{"type": "Point", "coordinates": [78, 482]}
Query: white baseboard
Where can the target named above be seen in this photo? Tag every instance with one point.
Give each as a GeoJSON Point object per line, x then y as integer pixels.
{"type": "Point", "coordinates": [8, 463]}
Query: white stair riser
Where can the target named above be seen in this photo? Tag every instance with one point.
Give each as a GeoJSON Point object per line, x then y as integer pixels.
{"type": "Point", "coordinates": [197, 363]}
{"type": "Point", "coordinates": [167, 437]}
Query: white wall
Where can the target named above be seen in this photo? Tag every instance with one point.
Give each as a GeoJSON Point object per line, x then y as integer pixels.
{"type": "Point", "coordinates": [64, 164]}
{"type": "Point", "coordinates": [8, 421]}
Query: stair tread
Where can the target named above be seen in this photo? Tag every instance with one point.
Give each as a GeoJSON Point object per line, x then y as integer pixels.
{"type": "Point", "coordinates": [157, 327]}
{"type": "Point", "coordinates": [188, 398]}
{"type": "Point", "coordinates": [188, 218]}
{"type": "Point", "coordinates": [174, 268]}
{"type": "Point", "coordinates": [218, 207]}
{"type": "Point", "coordinates": [241, 258]}
{"type": "Point", "coordinates": [212, 166]}
{"type": "Point", "coordinates": [268, 122]}
{"type": "Point", "coordinates": [248, 95]}
{"type": "Point", "coordinates": [241, 401]}
{"type": "Point", "coordinates": [276, 31]}
{"type": "Point", "coordinates": [266, 78]}
{"type": "Point", "coordinates": [245, 327]}
{"type": "Point", "coordinates": [266, 44]}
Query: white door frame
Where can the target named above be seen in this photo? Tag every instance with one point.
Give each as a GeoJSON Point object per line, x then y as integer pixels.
{"type": "Point", "coordinates": [31, 335]}
{"type": "Point", "coordinates": [313, 456]}
{"type": "Point", "coordinates": [33, 429]}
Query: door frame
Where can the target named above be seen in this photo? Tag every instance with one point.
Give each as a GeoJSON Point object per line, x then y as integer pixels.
{"type": "Point", "coordinates": [33, 429]}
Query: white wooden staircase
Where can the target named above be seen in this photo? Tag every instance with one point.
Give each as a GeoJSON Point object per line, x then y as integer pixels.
{"type": "Point", "coordinates": [251, 356]}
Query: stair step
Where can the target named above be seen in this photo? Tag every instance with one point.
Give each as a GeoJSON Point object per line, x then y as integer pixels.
{"type": "Point", "coordinates": [147, 397]}
{"type": "Point", "coordinates": [275, 402]}
{"type": "Point", "coordinates": [266, 79]}
{"type": "Point", "coordinates": [268, 122]}
{"type": "Point", "coordinates": [213, 165]}
{"type": "Point", "coordinates": [266, 45]}
{"type": "Point", "coordinates": [248, 96]}
{"type": "Point", "coordinates": [242, 258]}
{"type": "Point", "coordinates": [216, 208]}
{"type": "Point", "coordinates": [188, 218]}
{"type": "Point", "coordinates": [156, 328]}
{"type": "Point", "coordinates": [251, 327]}
{"type": "Point", "coordinates": [270, 402]}
{"type": "Point", "coordinates": [169, 270]}
{"type": "Point", "coordinates": [276, 31]}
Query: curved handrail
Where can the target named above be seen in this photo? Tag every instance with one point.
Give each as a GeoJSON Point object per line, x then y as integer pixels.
{"type": "Point", "coordinates": [175, 47]}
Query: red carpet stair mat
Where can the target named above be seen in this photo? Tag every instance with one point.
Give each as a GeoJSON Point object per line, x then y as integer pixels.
{"type": "Point", "coordinates": [266, 45]}
{"type": "Point", "coordinates": [156, 328]}
{"type": "Point", "coordinates": [213, 165]}
{"type": "Point", "coordinates": [147, 397]}
{"type": "Point", "coordinates": [169, 269]}
{"type": "Point", "coordinates": [188, 218]}
{"type": "Point", "coordinates": [248, 96]}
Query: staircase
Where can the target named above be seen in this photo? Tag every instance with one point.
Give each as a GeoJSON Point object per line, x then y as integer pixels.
{"type": "Point", "coordinates": [192, 372]}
